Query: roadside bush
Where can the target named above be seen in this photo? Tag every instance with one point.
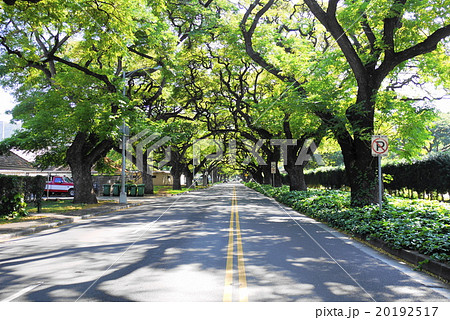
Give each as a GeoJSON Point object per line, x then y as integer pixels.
{"type": "Point", "coordinates": [419, 225]}
{"type": "Point", "coordinates": [425, 176]}
{"type": "Point", "coordinates": [34, 189]}
{"type": "Point", "coordinates": [429, 176]}
{"type": "Point", "coordinates": [333, 178]}
{"type": "Point", "coordinates": [14, 190]}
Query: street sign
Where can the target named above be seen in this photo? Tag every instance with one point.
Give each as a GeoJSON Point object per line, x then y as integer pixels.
{"type": "Point", "coordinates": [379, 146]}
{"type": "Point", "coordinates": [273, 167]}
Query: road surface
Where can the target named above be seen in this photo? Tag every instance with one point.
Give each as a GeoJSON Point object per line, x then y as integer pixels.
{"type": "Point", "coordinates": [224, 243]}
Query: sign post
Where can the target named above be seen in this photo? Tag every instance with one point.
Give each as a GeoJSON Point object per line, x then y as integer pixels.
{"type": "Point", "coordinates": [380, 147]}
{"type": "Point", "coordinates": [273, 170]}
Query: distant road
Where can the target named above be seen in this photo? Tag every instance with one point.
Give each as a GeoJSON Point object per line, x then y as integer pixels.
{"type": "Point", "coordinates": [225, 243]}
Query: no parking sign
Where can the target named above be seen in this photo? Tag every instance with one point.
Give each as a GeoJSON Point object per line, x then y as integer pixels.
{"type": "Point", "coordinates": [379, 146]}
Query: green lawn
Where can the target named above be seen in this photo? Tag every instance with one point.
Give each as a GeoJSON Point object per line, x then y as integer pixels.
{"type": "Point", "coordinates": [168, 190]}
{"type": "Point", "coordinates": [19, 219]}
{"type": "Point", "coordinates": [61, 206]}
{"type": "Point", "coordinates": [51, 206]}
{"type": "Point", "coordinates": [65, 205]}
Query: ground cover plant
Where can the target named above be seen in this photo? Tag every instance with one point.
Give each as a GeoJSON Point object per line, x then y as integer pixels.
{"type": "Point", "coordinates": [419, 225]}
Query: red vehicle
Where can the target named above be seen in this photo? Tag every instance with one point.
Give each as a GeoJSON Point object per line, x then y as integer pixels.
{"type": "Point", "coordinates": [59, 184]}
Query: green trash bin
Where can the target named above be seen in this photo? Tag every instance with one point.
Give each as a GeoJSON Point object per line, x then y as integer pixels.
{"type": "Point", "coordinates": [106, 190]}
{"type": "Point", "coordinates": [140, 190]}
{"type": "Point", "coordinates": [133, 190]}
{"type": "Point", "coordinates": [128, 188]}
{"type": "Point", "coordinates": [116, 189]}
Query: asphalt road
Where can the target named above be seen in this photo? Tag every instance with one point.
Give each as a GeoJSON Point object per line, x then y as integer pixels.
{"type": "Point", "coordinates": [225, 243]}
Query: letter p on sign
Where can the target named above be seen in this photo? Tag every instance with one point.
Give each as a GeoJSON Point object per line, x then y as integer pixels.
{"type": "Point", "coordinates": [379, 146]}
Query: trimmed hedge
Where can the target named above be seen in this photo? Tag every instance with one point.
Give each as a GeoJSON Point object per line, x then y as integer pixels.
{"type": "Point", "coordinates": [16, 191]}
{"type": "Point", "coordinates": [333, 178]}
{"type": "Point", "coordinates": [424, 176]}
{"type": "Point", "coordinates": [419, 225]}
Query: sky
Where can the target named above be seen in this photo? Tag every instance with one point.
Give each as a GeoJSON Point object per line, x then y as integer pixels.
{"type": "Point", "coordinates": [6, 103]}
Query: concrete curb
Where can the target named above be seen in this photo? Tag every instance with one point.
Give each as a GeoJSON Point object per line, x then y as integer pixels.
{"type": "Point", "coordinates": [37, 229]}
{"type": "Point", "coordinates": [63, 221]}
{"type": "Point", "coordinates": [423, 262]}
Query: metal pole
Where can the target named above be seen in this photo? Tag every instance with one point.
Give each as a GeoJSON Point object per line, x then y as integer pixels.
{"type": "Point", "coordinates": [123, 194]}
{"type": "Point", "coordinates": [48, 185]}
{"type": "Point", "coordinates": [193, 171]}
{"type": "Point", "coordinates": [380, 185]}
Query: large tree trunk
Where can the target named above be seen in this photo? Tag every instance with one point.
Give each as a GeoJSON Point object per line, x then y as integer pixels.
{"type": "Point", "coordinates": [205, 179]}
{"type": "Point", "coordinates": [214, 176]}
{"type": "Point", "coordinates": [82, 179]}
{"type": "Point", "coordinates": [176, 175]}
{"type": "Point", "coordinates": [176, 161]}
{"type": "Point", "coordinates": [147, 176]}
{"type": "Point", "coordinates": [292, 152]}
{"type": "Point", "coordinates": [258, 176]}
{"type": "Point", "coordinates": [296, 178]}
{"type": "Point", "coordinates": [360, 168]}
{"type": "Point", "coordinates": [363, 180]}
{"type": "Point", "coordinates": [360, 165]}
{"type": "Point", "coordinates": [176, 171]}
{"type": "Point", "coordinates": [189, 177]}
{"type": "Point", "coordinates": [147, 179]}
{"type": "Point", "coordinates": [85, 150]}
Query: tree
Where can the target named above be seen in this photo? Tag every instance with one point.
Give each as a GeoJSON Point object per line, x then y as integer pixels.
{"type": "Point", "coordinates": [12, 2]}
{"type": "Point", "coordinates": [440, 131]}
{"type": "Point", "coordinates": [375, 42]}
{"type": "Point", "coordinates": [380, 44]}
{"type": "Point", "coordinates": [289, 59]}
{"type": "Point", "coordinates": [66, 72]}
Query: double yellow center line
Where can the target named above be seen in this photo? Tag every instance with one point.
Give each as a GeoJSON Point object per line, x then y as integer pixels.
{"type": "Point", "coordinates": [228, 290]}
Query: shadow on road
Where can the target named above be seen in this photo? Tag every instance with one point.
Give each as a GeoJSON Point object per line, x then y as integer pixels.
{"type": "Point", "coordinates": [174, 249]}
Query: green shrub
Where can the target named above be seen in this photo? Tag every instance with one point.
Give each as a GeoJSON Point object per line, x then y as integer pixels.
{"type": "Point", "coordinates": [419, 225]}
{"type": "Point", "coordinates": [422, 176]}
{"type": "Point", "coordinates": [14, 190]}
{"type": "Point", "coordinates": [429, 175]}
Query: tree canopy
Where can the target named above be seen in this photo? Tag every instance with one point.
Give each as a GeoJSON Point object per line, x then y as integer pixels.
{"type": "Point", "coordinates": [262, 77]}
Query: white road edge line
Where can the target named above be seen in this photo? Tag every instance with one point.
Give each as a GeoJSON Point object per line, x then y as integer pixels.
{"type": "Point", "coordinates": [416, 276]}
{"type": "Point", "coordinates": [22, 292]}
{"type": "Point", "coordinates": [322, 248]}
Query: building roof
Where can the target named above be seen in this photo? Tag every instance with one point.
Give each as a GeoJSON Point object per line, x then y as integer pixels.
{"type": "Point", "coordinates": [11, 161]}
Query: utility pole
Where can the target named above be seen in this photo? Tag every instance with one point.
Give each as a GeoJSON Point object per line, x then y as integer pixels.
{"type": "Point", "coordinates": [123, 192]}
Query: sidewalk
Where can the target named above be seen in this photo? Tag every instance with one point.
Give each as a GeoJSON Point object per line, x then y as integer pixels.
{"type": "Point", "coordinates": [51, 220]}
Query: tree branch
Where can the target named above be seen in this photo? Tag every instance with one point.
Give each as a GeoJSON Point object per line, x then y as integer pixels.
{"type": "Point", "coordinates": [255, 56]}
{"type": "Point", "coordinates": [248, 35]}
{"type": "Point", "coordinates": [426, 46]}
{"type": "Point", "coordinates": [329, 20]}
{"type": "Point", "coordinates": [390, 25]}
{"type": "Point", "coordinates": [37, 65]}
{"type": "Point", "coordinates": [143, 55]}
{"type": "Point", "coordinates": [110, 86]}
